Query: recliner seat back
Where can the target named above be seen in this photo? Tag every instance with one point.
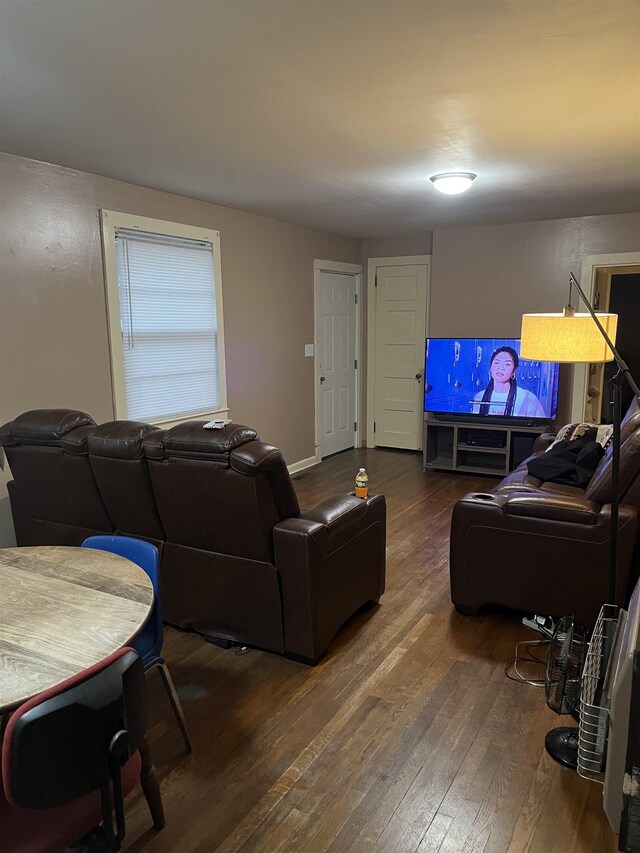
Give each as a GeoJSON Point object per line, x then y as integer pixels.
{"type": "Point", "coordinates": [599, 489]}
{"type": "Point", "coordinates": [116, 453]}
{"type": "Point", "coordinates": [53, 481]}
{"type": "Point", "coordinates": [220, 490]}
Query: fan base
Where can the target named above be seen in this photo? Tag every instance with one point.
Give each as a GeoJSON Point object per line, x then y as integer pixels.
{"type": "Point", "coordinates": [562, 746]}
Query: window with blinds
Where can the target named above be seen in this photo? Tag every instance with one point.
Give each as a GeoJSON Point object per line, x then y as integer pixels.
{"type": "Point", "coordinates": [170, 344]}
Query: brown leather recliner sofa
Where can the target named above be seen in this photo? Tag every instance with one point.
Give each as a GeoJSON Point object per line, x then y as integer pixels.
{"type": "Point", "coordinates": [542, 547]}
{"type": "Point", "coordinates": [239, 562]}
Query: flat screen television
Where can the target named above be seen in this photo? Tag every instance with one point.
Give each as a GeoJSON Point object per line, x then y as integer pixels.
{"type": "Point", "coordinates": [485, 378]}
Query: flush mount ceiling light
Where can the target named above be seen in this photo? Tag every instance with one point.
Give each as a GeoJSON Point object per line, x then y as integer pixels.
{"type": "Point", "coordinates": [453, 183]}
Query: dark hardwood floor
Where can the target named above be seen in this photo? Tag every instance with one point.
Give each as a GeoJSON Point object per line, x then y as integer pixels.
{"type": "Point", "coordinates": [407, 736]}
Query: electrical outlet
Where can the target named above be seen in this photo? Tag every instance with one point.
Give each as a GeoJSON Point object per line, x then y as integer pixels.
{"type": "Point", "coordinates": [309, 350]}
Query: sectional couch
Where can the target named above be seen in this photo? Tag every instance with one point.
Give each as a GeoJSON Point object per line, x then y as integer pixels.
{"type": "Point", "coordinates": [240, 563]}
{"type": "Point", "coordinates": [543, 547]}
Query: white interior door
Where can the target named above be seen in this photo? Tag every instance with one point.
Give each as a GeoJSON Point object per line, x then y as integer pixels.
{"type": "Point", "coordinates": [336, 355]}
{"type": "Point", "coordinates": [400, 331]}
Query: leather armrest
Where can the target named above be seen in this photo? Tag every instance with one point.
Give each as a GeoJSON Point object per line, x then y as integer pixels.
{"type": "Point", "coordinates": [543, 441]}
{"type": "Point", "coordinates": [567, 508]}
{"type": "Point", "coordinates": [336, 520]}
{"type": "Point", "coordinates": [331, 561]}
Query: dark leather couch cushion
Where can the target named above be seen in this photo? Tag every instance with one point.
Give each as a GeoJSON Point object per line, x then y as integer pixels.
{"type": "Point", "coordinates": [43, 426]}
{"type": "Point", "coordinates": [254, 458]}
{"type": "Point", "coordinates": [191, 439]}
{"type": "Point", "coordinates": [630, 422]}
{"type": "Point", "coordinates": [76, 440]}
{"type": "Point", "coordinates": [120, 439]}
{"type": "Point", "coordinates": [117, 454]}
{"type": "Point", "coordinates": [552, 507]}
{"type": "Point", "coordinates": [518, 481]}
{"type": "Point", "coordinates": [599, 488]}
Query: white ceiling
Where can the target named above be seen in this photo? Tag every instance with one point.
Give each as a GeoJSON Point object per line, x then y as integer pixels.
{"type": "Point", "coordinates": [333, 113]}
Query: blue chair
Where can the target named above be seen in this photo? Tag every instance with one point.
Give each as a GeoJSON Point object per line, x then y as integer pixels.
{"type": "Point", "coordinates": [148, 644]}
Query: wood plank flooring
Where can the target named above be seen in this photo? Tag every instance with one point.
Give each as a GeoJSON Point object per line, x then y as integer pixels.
{"type": "Point", "coordinates": [406, 737]}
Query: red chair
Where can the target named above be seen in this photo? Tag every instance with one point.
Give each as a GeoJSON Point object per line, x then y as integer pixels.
{"type": "Point", "coordinates": [70, 755]}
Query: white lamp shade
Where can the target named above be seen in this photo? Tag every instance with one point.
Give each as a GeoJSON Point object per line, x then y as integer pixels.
{"type": "Point", "coordinates": [556, 337]}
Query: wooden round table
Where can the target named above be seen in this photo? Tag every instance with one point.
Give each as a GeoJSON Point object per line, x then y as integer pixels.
{"type": "Point", "coordinates": [62, 610]}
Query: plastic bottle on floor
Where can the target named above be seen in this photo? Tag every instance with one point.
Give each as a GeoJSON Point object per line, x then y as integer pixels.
{"type": "Point", "coordinates": [362, 484]}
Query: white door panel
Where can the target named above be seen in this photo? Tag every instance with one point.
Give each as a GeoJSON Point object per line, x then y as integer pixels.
{"type": "Point", "coordinates": [336, 361]}
{"type": "Point", "coordinates": [401, 299]}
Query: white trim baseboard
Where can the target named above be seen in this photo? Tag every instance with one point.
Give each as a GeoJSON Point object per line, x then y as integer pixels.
{"type": "Point", "coordinates": [309, 462]}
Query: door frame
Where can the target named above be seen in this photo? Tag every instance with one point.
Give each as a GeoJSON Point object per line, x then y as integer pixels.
{"type": "Point", "coordinates": [372, 270]}
{"type": "Point", "coordinates": [320, 266]}
{"type": "Point", "coordinates": [591, 265]}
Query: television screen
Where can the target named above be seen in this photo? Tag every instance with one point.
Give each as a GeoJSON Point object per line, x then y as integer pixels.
{"type": "Point", "coordinates": [486, 376]}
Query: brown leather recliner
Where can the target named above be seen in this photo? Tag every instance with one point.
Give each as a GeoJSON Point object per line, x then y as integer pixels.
{"type": "Point", "coordinates": [544, 547]}
{"type": "Point", "coordinates": [54, 496]}
{"type": "Point", "coordinates": [240, 563]}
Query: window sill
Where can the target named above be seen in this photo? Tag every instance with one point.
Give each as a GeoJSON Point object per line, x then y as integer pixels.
{"type": "Point", "coordinates": [210, 416]}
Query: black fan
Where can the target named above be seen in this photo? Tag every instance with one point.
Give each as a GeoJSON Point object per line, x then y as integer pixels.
{"type": "Point", "coordinates": [565, 660]}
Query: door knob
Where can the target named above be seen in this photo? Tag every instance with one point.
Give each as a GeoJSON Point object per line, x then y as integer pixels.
{"type": "Point", "coordinates": [418, 376]}
{"type": "Point", "coordinates": [322, 379]}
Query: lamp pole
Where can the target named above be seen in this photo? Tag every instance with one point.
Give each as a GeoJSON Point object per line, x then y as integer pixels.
{"type": "Point", "coordinates": [620, 376]}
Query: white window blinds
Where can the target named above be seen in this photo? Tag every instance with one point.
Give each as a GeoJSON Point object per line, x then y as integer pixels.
{"type": "Point", "coordinates": [168, 325]}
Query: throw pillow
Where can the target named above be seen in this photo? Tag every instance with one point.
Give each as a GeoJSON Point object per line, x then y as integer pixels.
{"type": "Point", "coordinates": [602, 433]}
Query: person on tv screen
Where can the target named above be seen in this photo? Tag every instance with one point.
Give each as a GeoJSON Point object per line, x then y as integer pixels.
{"type": "Point", "coordinates": [502, 395]}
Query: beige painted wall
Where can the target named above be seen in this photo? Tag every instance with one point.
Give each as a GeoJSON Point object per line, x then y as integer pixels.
{"type": "Point", "coordinates": [483, 279]}
{"type": "Point", "coordinates": [396, 247]}
{"type": "Point", "coordinates": [53, 329]}
{"type": "Point", "coordinates": [486, 277]}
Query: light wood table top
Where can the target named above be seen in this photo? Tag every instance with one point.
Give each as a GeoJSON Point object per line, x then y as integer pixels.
{"type": "Point", "coordinates": [62, 610]}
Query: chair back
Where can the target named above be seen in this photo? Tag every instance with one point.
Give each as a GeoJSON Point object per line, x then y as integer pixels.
{"type": "Point", "coordinates": [148, 644]}
{"type": "Point", "coordinates": [220, 490]}
{"type": "Point", "coordinates": [116, 453]}
{"type": "Point", "coordinates": [53, 482]}
{"type": "Point", "coordinates": [56, 746]}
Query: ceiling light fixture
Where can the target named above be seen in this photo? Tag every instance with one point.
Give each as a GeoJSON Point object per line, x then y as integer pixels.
{"type": "Point", "coordinates": [453, 183]}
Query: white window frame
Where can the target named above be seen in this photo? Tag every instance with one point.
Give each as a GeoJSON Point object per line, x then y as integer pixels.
{"type": "Point", "coordinates": [112, 220]}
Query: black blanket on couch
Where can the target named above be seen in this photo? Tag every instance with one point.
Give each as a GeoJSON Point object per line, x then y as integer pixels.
{"type": "Point", "coordinates": [572, 463]}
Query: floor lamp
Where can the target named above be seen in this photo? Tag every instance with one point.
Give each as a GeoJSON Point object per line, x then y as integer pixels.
{"type": "Point", "coordinates": [584, 338]}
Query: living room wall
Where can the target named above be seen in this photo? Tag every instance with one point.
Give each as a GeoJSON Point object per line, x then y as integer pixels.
{"type": "Point", "coordinates": [484, 278]}
{"type": "Point", "coordinates": [54, 348]}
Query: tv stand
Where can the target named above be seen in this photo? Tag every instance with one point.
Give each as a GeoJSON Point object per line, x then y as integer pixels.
{"type": "Point", "coordinates": [477, 448]}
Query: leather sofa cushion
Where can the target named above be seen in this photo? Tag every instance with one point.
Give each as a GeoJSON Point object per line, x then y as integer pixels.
{"type": "Point", "coordinates": [518, 480]}
{"type": "Point", "coordinates": [552, 507]}
{"type": "Point", "coordinates": [43, 426]}
{"type": "Point", "coordinates": [120, 439]}
{"type": "Point", "coordinates": [75, 441]}
{"type": "Point", "coordinates": [190, 439]}
{"type": "Point", "coordinates": [599, 488]}
{"type": "Point", "coordinates": [630, 422]}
